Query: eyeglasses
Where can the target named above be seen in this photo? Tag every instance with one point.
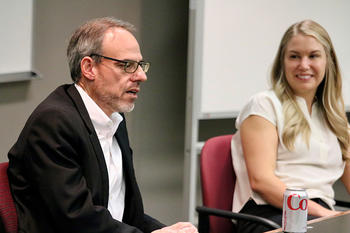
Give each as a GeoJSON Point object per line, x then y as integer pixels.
{"type": "Point", "coordinates": [129, 65]}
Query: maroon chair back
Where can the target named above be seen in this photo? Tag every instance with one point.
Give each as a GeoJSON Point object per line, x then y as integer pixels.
{"type": "Point", "coordinates": [7, 207]}
{"type": "Point", "coordinates": [218, 180]}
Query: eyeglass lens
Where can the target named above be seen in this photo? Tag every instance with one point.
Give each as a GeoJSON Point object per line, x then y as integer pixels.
{"type": "Point", "coordinates": [131, 66]}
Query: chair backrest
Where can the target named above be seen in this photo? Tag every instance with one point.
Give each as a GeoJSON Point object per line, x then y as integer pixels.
{"type": "Point", "coordinates": [218, 180]}
{"type": "Point", "coordinates": [7, 207]}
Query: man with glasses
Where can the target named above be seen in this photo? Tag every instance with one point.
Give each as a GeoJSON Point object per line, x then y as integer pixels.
{"type": "Point", "coordinates": [71, 169]}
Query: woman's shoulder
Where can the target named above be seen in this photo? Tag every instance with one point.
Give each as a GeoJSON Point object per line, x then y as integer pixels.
{"type": "Point", "coordinates": [265, 104]}
{"type": "Point", "coordinates": [264, 98]}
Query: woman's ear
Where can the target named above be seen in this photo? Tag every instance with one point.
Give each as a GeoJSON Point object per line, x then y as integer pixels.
{"type": "Point", "coordinates": [87, 66]}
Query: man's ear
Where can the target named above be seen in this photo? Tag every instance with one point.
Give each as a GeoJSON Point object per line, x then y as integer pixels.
{"type": "Point", "coordinates": [87, 66]}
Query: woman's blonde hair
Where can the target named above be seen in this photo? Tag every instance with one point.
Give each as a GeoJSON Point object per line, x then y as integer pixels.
{"type": "Point", "coordinates": [328, 94]}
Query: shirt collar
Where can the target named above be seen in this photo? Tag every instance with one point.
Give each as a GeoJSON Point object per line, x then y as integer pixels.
{"type": "Point", "coordinates": [302, 104]}
{"type": "Point", "coordinates": [105, 126]}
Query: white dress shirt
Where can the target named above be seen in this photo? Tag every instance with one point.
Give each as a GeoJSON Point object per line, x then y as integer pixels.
{"type": "Point", "coordinates": [314, 168]}
{"type": "Point", "coordinates": [105, 128]}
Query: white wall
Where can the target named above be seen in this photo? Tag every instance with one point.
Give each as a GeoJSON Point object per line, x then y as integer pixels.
{"type": "Point", "coordinates": [240, 39]}
{"type": "Point", "coordinates": [16, 36]}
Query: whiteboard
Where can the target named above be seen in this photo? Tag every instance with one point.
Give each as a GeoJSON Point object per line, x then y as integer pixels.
{"type": "Point", "coordinates": [16, 17]}
{"type": "Point", "coordinates": [239, 39]}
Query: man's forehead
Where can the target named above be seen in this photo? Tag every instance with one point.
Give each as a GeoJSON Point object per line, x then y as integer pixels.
{"type": "Point", "coordinates": [117, 34]}
{"type": "Point", "coordinates": [119, 41]}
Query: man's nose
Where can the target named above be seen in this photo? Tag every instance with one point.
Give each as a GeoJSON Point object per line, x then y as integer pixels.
{"type": "Point", "coordinates": [139, 75]}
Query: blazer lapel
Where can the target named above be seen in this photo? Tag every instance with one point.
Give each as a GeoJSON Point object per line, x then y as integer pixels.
{"type": "Point", "coordinates": [133, 211]}
{"type": "Point", "coordinates": [123, 141]}
{"type": "Point", "coordinates": [75, 96]}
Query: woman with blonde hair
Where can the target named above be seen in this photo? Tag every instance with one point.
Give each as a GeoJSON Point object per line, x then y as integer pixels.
{"type": "Point", "coordinates": [294, 135]}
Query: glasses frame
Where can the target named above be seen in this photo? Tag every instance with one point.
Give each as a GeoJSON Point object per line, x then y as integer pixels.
{"type": "Point", "coordinates": [144, 65]}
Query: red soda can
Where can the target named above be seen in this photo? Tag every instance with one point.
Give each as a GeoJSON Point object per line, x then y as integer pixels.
{"type": "Point", "coordinates": [294, 216]}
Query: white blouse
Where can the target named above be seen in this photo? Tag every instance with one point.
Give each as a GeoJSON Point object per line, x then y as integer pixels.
{"type": "Point", "coordinates": [315, 168]}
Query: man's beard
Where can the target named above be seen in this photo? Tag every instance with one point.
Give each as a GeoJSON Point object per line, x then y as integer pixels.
{"type": "Point", "coordinates": [114, 103]}
{"type": "Point", "coordinates": [124, 107]}
{"type": "Point", "coordinates": [119, 105]}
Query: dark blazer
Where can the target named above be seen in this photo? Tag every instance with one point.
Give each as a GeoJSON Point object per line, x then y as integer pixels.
{"type": "Point", "coordinates": [58, 175]}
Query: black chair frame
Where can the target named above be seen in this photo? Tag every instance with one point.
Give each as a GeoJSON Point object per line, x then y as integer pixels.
{"type": "Point", "coordinates": [205, 212]}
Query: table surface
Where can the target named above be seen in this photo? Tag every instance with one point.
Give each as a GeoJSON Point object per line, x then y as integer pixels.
{"type": "Point", "coordinates": [339, 223]}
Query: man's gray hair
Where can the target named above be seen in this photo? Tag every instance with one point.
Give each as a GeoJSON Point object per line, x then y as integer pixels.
{"type": "Point", "coordinates": [87, 39]}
